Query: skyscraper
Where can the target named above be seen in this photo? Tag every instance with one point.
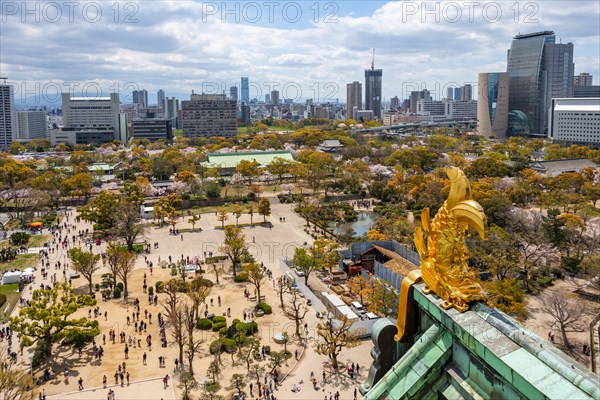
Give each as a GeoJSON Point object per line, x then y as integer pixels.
{"type": "Point", "coordinates": [450, 93]}
{"type": "Point", "coordinates": [373, 90]}
{"type": "Point", "coordinates": [8, 122]}
{"type": "Point", "coordinates": [275, 97]}
{"type": "Point", "coordinates": [160, 98]}
{"type": "Point", "coordinates": [466, 93]}
{"type": "Point", "coordinates": [206, 115]}
{"type": "Point", "coordinates": [233, 93]}
{"type": "Point", "coordinates": [245, 91]}
{"type": "Point", "coordinates": [31, 125]}
{"type": "Point", "coordinates": [140, 97]}
{"type": "Point", "coordinates": [492, 104]}
{"type": "Point", "coordinates": [457, 93]}
{"type": "Point", "coordinates": [584, 79]}
{"type": "Point", "coordinates": [415, 96]}
{"type": "Point", "coordinates": [538, 70]}
{"type": "Point", "coordinates": [92, 120]}
{"type": "Point", "coordinates": [353, 99]}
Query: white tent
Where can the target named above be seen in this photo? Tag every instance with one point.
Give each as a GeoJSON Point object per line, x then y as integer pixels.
{"type": "Point", "coordinates": [11, 277]}
{"type": "Point", "coordinates": [32, 270]}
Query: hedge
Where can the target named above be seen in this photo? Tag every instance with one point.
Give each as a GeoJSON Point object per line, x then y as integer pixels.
{"type": "Point", "coordinates": [204, 324]}
{"type": "Point", "coordinates": [117, 293]}
{"type": "Point", "coordinates": [219, 318]}
{"type": "Point", "coordinates": [2, 299]}
{"type": "Point", "coordinates": [241, 277]}
{"type": "Point", "coordinates": [247, 328]}
{"type": "Point", "coordinates": [217, 327]}
{"type": "Point", "coordinates": [229, 345]}
{"type": "Point", "coordinates": [265, 307]}
{"type": "Point", "coordinates": [223, 331]}
{"type": "Point", "coordinates": [159, 286]}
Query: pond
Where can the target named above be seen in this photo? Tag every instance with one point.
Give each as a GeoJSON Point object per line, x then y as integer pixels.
{"type": "Point", "coordinates": [362, 225]}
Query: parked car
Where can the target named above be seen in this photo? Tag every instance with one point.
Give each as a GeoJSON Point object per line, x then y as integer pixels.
{"type": "Point", "coordinates": [299, 272]}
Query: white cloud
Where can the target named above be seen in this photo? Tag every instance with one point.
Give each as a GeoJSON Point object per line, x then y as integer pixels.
{"type": "Point", "coordinates": [174, 46]}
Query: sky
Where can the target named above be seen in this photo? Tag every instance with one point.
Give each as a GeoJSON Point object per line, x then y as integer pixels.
{"type": "Point", "coordinates": [304, 49]}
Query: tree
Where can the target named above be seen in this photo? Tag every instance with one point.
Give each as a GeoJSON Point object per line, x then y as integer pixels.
{"type": "Point", "coordinates": [126, 266]}
{"type": "Point", "coordinates": [306, 262]}
{"type": "Point", "coordinates": [237, 382]}
{"type": "Point", "coordinates": [508, 296]}
{"type": "Point", "coordinates": [198, 293]}
{"type": "Point", "coordinates": [256, 276]}
{"type": "Point", "coordinates": [187, 383]}
{"type": "Point", "coordinates": [359, 286]}
{"type": "Point", "coordinates": [279, 166]}
{"type": "Point", "coordinates": [15, 383]}
{"type": "Point", "coordinates": [127, 224]}
{"type": "Point", "coordinates": [46, 318]}
{"type": "Point", "coordinates": [264, 208]}
{"type": "Point", "coordinates": [85, 263]}
{"type": "Point", "coordinates": [248, 169]}
{"type": "Point", "coordinates": [222, 216]}
{"type": "Point", "coordinates": [295, 308]}
{"type": "Point", "coordinates": [327, 252]}
{"type": "Point", "coordinates": [247, 351]}
{"type": "Point", "coordinates": [175, 313]}
{"type": "Point", "coordinates": [193, 346]}
{"type": "Point", "coordinates": [276, 359]}
{"type": "Point", "coordinates": [101, 210]}
{"type": "Point", "coordinates": [234, 246]}
{"type": "Point", "coordinates": [567, 314]}
{"type": "Point", "coordinates": [237, 212]}
{"type": "Point", "coordinates": [334, 336]}
{"type": "Point", "coordinates": [380, 298]}
{"type": "Point", "coordinates": [193, 219]}
{"type": "Point", "coordinates": [165, 207]}
{"type": "Point", "coordinates": [251, 213]}
{"type": "Point", "coordinates": [214, 369]}
{"type": "Point", "coordinates": [283, 285]}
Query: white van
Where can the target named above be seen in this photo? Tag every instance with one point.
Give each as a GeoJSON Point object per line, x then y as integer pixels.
{"type": "Point", "coordinates": [370, 315]}
{"type": "Point", "coordinates": [357, 307]}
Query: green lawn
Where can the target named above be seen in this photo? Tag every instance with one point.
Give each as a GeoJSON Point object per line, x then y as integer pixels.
{"type": "Point", "coordinates": [12, 296]}
{"type": "Point", "coordinates": [21, 262]}
{"type": "Point", "coordinates": [38, 240]}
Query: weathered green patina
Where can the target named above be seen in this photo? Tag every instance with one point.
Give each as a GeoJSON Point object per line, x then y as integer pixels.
{"type": "Point", "coordinates": [479, 354]}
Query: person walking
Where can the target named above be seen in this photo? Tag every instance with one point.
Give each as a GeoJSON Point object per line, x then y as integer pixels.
{"type": "Point", "coordinates": [104, 381]}
{"type": "Point", "coordinates": [80, 381]}
{"type": "Point", "coordinates": [127, 377]}
{"type": "Point", "coordinates": [166, 381]}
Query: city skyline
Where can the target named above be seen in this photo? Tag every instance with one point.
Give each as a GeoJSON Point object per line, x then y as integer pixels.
{"type": "Point", "coordinates": [418, 45]}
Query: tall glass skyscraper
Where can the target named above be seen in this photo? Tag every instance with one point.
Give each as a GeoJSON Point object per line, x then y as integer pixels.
{"type": "Point", "coordinates": [245, 90]}
{"type": "Point", "coordinates": [373, 91]}
{"type": "Point", "coordinates": [538, 69]}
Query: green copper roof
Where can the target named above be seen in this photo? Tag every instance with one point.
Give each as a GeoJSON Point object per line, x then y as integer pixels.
{"type": "Point", "coordinates": [482, 353]}
{"type": "Point", "coordinates": [231, 160]}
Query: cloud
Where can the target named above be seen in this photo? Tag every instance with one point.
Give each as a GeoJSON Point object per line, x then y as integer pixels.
{"type": "Point", "coordinates": [181, 46]}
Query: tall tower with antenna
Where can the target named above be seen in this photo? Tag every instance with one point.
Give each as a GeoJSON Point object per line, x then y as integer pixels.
{"type": "Point", "coordinates": [373, 88]}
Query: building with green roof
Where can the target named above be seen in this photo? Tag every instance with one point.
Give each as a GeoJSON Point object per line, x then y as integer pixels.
{"type": "Point", "coordinates": [228, 161]}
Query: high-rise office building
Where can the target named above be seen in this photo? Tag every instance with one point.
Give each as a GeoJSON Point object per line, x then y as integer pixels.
{"type": "Point", "coordinates": [353, 99]}
{"type": "Point", "coordinates": [466, 93]}
{"type": "Point", "coordinates": [140, 97]}
{"type": "Point", "coordinates": [395, 102]}
{"type": "Point", "coordinates": [275, 97]}
{"type": "Point", "coordinates": [583, 79]}
{"type": "Point", "coordinates": [538, 70]}
{"type": "Point", "coordinates": [160, 98]}
{"type": "Point", "coordinates": [92, 120]}
{"type": "Point", "coordinates": [207, 115]}
{"type": "Point", "coordinates": [8, 122]}
{"type": "Point", "coordinates": [268, 98]}
{"type": "Point", "coordinates": [492, 104]}
{"type": "Point", "coordinates": [373, 90]}
{"type": "Point", "coordinates": [450, 93]}
{"type": "Point", "coordinates": [457, 93]}
{"type": "Point", "coordinates": [245, 87]}
{"type": "Point", "coordinates": [152, 129]}
{"type": "Point", "coordinates": [233, 93]}
{"type": "Point", "coordinates": [31, 125]}
{"type": "Point", "coordinates": [415, 96]}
